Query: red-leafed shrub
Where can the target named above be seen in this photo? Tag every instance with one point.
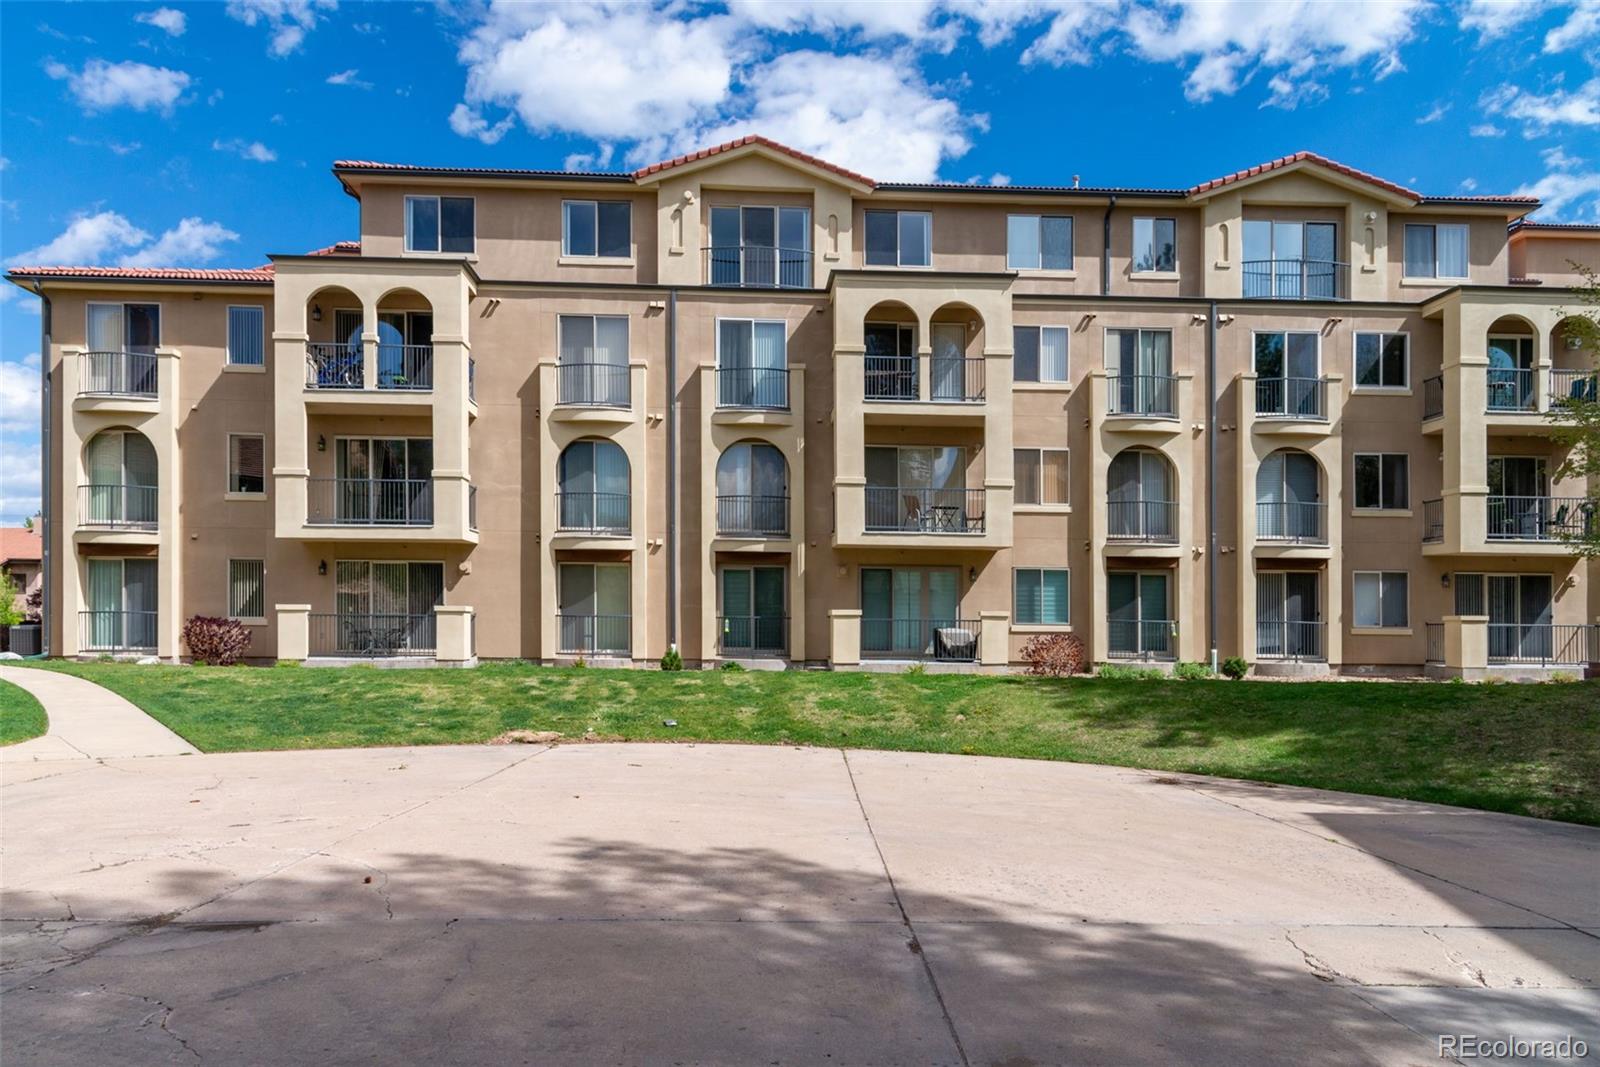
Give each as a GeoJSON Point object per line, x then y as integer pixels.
{"type": "Point", "coordinates": [215, 642]}
{"type": "Point", "coordinates": [1054, 655]}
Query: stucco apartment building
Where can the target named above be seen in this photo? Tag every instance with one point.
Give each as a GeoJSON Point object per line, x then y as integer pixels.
{"type": "Point", "coordinates": [755, 406]}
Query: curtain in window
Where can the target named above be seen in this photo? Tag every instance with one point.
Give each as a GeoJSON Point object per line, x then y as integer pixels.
{"type": "Point", "coordinates": [1026, 463]}
{"type": "Point", "coordinates": [768, 385]}
{"type": "Point", "coordinates": [1022, 242]}
{"type": "Point", "coordinates": [246, 596]}
{"type": "Point", "coordinates": [1029, 597]}
{"type": "Point", "coordinates": [1469, 594]}
{"type": "Point", "coordinates": [1419, 258]}
{"type": "Point", "coordinates": [946, 368]}
{"type": "Point", "coordinates": [916, 233]}
{"type": "Point", "coordinates": [246, 336]}
{"type": "Point", "coordinates": [1053, 601]}
{"type": "Point", "coordinates": [1053, 478]}
{"type": "Point", "coordinates": [105, 477]}
{"type": "Point", "coordinates": [139, 596]}
{"type": "Point", "coordinates": [1269, 613]}
{"type": "Point", "coordinates": [105, 603]}
{"type": "Point", "coordinates": [1452, 247]}
{"type": "Point", "coordinates": [1053, 354]}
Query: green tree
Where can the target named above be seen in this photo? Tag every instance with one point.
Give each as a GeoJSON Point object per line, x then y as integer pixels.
{"type": "Point", "coordinates": [1577, 416]}
{"type": "Point", "coordinates": [10, 614]}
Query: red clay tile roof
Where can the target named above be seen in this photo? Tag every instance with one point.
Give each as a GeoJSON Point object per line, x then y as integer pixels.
{"type": "Point", "coordinates": [19, 544]}
{"type": "Point", "coordinates": [149, 274]}
{"type": "Point", "coordinates": [754, 138]}
{"type": "Point", "coordinates": [1303, 157]}
{"type": "Point", "coordinates": [338, 248]}
{"type": "Point", "coordinates": [506, 172]}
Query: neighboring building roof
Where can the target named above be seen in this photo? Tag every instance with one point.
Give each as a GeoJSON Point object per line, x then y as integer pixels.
{"type": "Point", "coordinates": [1354, 174]}
{"type": "Point", "coordinates": [753, 139]}
{"type": "Point", "coordinates": [253, 275]}
{"type": "Point", "coordinates": [1580, 228]}
{"type": "Point", "coordinates": [338, 248]}
{"type": "Point", "coordinates": [368, 166]}
{"type": "Point", "coordinates": [21, 546]}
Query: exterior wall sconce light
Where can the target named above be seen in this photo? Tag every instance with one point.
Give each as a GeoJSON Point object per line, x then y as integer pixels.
{"type": "Point", "coordinates": [1444, 579]}
{"type": "Point", "coordinates": [316, 312]}
{"type": "Point", "coordinates": [972, 574]}
{"type": "Point", "coordinates": [322, 443]}
{"type": "Point", "coordinates": [322, 566]}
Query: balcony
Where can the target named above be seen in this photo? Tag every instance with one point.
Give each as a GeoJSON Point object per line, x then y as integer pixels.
{"type": "Point", "coordinates": [369, 502]}
{"type": "Point", "coordinates": [117, 631]}
{"type": "Point", "coordinates": [1576, 384]}
{"type": "Point", "coordinates": [117, 374]}
{"type": "Point", "coordinates": [1142, 639]}
{"type": "Point", "coordinates": [1293, 642]}
{"type": "Point", "coordinates": [1142, 395]}
{"type": "Point", "coordinates": [366, 635]}
{"type": "Point", "coordinates": [1544, 644]}
{"type": "Point", "coordinates": [592, 635]}
{"type": "Point", "coordinates": [1509, 389]}
{"type": "Point", "coordinates": [1432, 521]}
{"type": "Point", "coordinates": [1433, 397]}
{"type": "Point", "coordinates": [1295, 279]}
{"type": "Point", "coordinates": [593, 384]}
{"type": "Point", "coordinates": [744, 515]}
{"type": "Point", "coordinates": [594, 514]}
{"type": "Point", "coordinates": [918, 509]}
{"type": "Point", "coordinates": [753, 388]}
{"type": "Point", "coordinates": [1303, 399]}
{"type": "Point", "coordinates": [1292, 522]}
{"type": "Point", "coordinates": [1142, 522]}
{"type": "Point", "coordinates": [753, 635]}
{"type": "Point", "coordinates": [118, 507]}
{"type": "Point", "coordinates": [1539, 518]}
{"type": "Point", "coordinates": [758, 267]}
{"type": "Point", "coordinates": [332, 365]}
{"type": "Point", "coordinates": [899, 379]}
{"type": "Point", "coordinates": [940, 640]}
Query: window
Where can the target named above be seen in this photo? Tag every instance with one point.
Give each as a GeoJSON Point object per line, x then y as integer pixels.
{"type": "Point", "coordinates": [760, 246]}
{"type": "Point", "coordinates": [1040, 597]}
{"type": "Point", "coordinates": [1139, 368]}
{"type": "Point", "coordinates": [601, 229]}
{"type": "Point", "coordinates": [440, 223]}
{"type": "Point", "coordinates": [1381, 599]}
{"type": "Point", "coordinates": [247, 598]}
{"type": "Point", "coordinates": [1039, 242]}
{"type": "Point", "coordinates": [247, 336]}
{"type": "Point", "coordinates": [752, 363]}
{"type": "Point", "coordinates": [1288, 375]}
{"type": "Point", "coordinates": [1381, 481]}
{"type": "Point", "coordinates": [1041, 475]}
{"type": "Point", "coordinates": [247, 463]}
{"type": "Point", "coordinates": [1290, 260]}
{"type": "Point", "coordinates": [592, 360]}
{"type": "Point", "coordinates": [1155, 245]}
{"type": "Point", "coordinates": [899, 238]}
{"type": "Point", "coordinates": [1436, 251]}
{"type": "Point", "coordinates": [1040, 353]}
{"type": "Point", "coordinates": [1383, 361]}
{"type": "Point", "coordinates": [122, 340]}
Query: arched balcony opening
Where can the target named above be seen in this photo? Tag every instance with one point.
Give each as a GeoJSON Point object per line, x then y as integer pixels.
{"type": "Point", "coordinates": [1289, 503]}
{"type": "Point", "coordinates": [890, 335]}
{"type": "Point", "coordinates": [1509, 384]}
{"type": "Point", "coordinates": [123, 479]}
{"type": "Point", "coordinates": [405, 340]}
{"type": "Point", "coordinates": [334, 358]}
{"type": "Point", "coordinates": [1574, 362]}
{"type": "Point", "coordinates": [752, 491]}
{"type": "Point", "coordinates": [1142, 498]}
{"type": "Point", "coordinates": [595, 495]}
{"type": "Point", "coordinates": [956, 365]}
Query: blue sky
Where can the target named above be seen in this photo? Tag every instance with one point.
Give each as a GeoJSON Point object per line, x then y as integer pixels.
{"type": "Point", "coordinates": [201, 134]}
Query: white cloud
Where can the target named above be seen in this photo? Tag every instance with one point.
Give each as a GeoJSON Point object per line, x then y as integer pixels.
{"type": "Point", "coordinates": [5, 164]}
{"type": "Point", "coordinates": [468, 122]}
{"type": "Point", "coordinates": [191, 242]}
{"type": "Point", "coordinates": [100, 86]}
{"type": "Point", "coordinates": [1539, 112]}
{"type": "Point", "coordinates": [898, 18]}
{"type": "Point", "coordinates": [19, 394]}
{"type": "Point", "coordinates": [999, 179]}
{"type": "Point", "coordinates": [19, 474]}
{"type": "Point", "coordinates": [1487, 129]}
{"type": "Point", "coordinates": [1582, 24]}
{"type": "Point", "coordinates": [173, 21]}
{"type": "Point", "coordinates": [87, 241]}
{"type": "Point", "coordinates": [590, 161]}
{"type": "Point", "coordinates": [117, 148]}
{"type": "Point", "coordinates": [1557, 159]}
{"type": "Point", "coordinates": [1435, 113]}
{"type": "Point", "coordinates": [1469, 185]}
{"type": "Point", "coordinates": [288, 20]}
{"type": "Point", "coordinates": [348, 77]}
{"type": "Point", "coordinates": [252, 150]}
{"type": "Point", "coordinates": [1496, 18]}
{"type": "Point", "coordinates": [1567, 195]}
{"type": "Point", "coordinates": [1071, 36]}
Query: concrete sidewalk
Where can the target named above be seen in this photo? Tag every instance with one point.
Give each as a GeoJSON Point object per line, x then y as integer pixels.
{"type": "Point", "coordinates": [725, 904]}
{"type": "Point", "coordinates": [87, 722]}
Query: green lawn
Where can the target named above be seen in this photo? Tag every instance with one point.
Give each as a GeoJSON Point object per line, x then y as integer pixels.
{"type": "Point", "coordinates": [21, 717]}
{"type": "Point", "coordinates": [1531, 749]}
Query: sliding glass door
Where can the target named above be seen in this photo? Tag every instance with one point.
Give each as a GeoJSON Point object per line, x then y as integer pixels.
{"type": "Point", "coordinates": [1139, 615]}
{"type": "Point", "coordinates": [904, 610]}
{"type": "Point", "coordinates": [122, 605]}
{"type": "Point", "coordinates": [753, 618]}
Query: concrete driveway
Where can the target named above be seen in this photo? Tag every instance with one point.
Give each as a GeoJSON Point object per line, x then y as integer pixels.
{"type": "Point", "coordinates": [600, 904]}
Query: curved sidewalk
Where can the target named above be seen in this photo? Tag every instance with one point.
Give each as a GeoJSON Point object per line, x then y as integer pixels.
{"type": "Point", "coordinates": [87, 722]}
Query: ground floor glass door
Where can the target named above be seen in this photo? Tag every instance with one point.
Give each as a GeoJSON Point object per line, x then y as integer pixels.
{"type": "Point", "coordinates": [383, 606]}
{"type": "Point", "coordinates": [1288, 615]}
{"type": "Point", "coordinates": [752, 618]}
{"type": "Point", "coordinates": [1521, 609]}
{"type": "Point", "coordinates": [122, 604]}
{"type": "Point", "coordinates": [1139, 616]}
{"type": "Point", "coordinates": [904, 610]}
{"type": "Point", "coordinates": [596, 608]}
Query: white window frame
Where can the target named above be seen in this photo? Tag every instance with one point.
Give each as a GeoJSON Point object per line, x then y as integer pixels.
{"type": "Point", "coordinates": [1041, 624]}
{"type": "Point", "coordinates": [248, 620]}
{"type": "Point", "coordinates": [1355, 485]}
{"type": "Point", "coordinates": [1437, 274]}
{"type": "Point", "coordinates": [1356, 625]}
{"type": "Point", "coordinates": [1355, 370]}
{"type": "Point", "coordinates": [228, 360]}
{"type": "Point", "coordinates": [405, 222]}
{"type": "Point", "coordinates": [161, 318]}
{"type": "Point", "coordinates": [228, 491]}
{"type": "Point", "coordinates": [1133, 250]}
{"type": "Point", "coordinates": [899, 259]}
{"type": "Point", "coordinates": [596, 257]}
{"type": "Point", "coordinates": [1066, 372]}
{"type": "Point", "coordinates": [1072, 239]}
{"type": "Point", "coordinates": [1054, 505]}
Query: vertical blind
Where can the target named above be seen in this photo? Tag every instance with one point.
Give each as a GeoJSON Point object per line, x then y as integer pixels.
{"type": "Point", "coordinates": [247, 463]}
{"type": "Point", "coordinates": [247, 336]}
{"type": "Point", "coordinates": [247, 589]}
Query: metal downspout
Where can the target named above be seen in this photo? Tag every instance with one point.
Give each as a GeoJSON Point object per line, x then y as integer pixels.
{"type": "Point", "coordinates": [47, 513]}
{"type": "Point", "coordinates": [672, 468]}
{"type": "Point", "coordinates": [1211, 480]}
{"type": "Point", "coordinates": [1105, 258]}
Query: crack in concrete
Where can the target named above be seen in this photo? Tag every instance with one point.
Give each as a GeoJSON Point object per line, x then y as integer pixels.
{"type": "Point", "coordinates": [165, 1013]}
{"type": "Point", "coordinates": [1473, 972]}
{"type": "Point", "coordinates": [1320, 969]}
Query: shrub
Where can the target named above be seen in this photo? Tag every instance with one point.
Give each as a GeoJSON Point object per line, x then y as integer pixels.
{"type": "Point", "coordinates": [1192, 672]}
{"type": "Point", "coordinates": [1236, 667]}
{"type": "Point", "coordinates": [1054, 655]}
{"type": "Point", "coordinates": [1123, 672]}
{"type": "Point", "coordinates": [33, 606]}
{"type": "Point", "coordinates": [729, 665]}
{"type": "Point", "coordinates": [214, 641]}
{"type": "Point", "coordinates": [580, 662]}
{"type": "Point", "coordinates": [10, 614]}
{"type": "Point", "coordinates": [917, 668]}
{"type": "Point", "coordinates": [672, 661]}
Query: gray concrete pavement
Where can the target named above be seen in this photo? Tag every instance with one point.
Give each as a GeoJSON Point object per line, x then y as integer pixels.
{"type": "Point", "coordinates": [87, 722]}
{"type": "Point", "coordinates": [719, 904]}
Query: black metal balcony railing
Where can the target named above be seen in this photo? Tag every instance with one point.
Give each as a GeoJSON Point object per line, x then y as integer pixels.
{"type": "Point", "coordinates": [1292, 398]}
{"type": "Point", "coordinates": [1295, 279]}
{"type": "Point", "coordinates": [1510, 389]}
{"type": "Point", "coordinates": [757, 388]}
{"type": "Point", "coordinates": [951, 379]}
{"type": "Point", "coordinates": [1432, 397]}
{"type": "Point", "coordinates": [405, 367]}
{"type": "Point", "coordinates": [758, 266]}
{"type": "Point", "coordinates": [1433, 648]}
{"type": "Point", "coordinates": [605, 514]}
{"type": "Point", "coordinates": [1142, 638]}
{"type": "Point", "coordinates": [1573, 384]}
{"type": "Point", "coordinates": [472, 507]}
{"type": "Point", "coordinates": [1295, 641]}
{"type": "Point", "coordinates": [333, 365]}
{"type": "Point", "coordinates": [1544, 644]}
{"type": "Point", "coordinates": [593, 384]}
{"type": "Point", "coordinates": [1539, 518]}
{"type": "Point", "coordinates": [949, 640]}
{"type": "Point", "coordinates": [1144, 521]}
{"type": "Point", "coordinates": [1301, 522]}
{"type": "Point", "coordinates": [372, 634]}
{"type": "Point", "coordinates": [753, 635]}
{"type": "Point", "coordinates": [588, 635]}
{"type": "Point", "coordinates": [118, 507]}
{"type": "Point", "coordinates": [1432, 521]}
{"type": "Point", "coordinates": [116, 631]}
{"type": "Point", "coordinates": [117, 374]}
{"type": "Point", "coordinates": [916, 509]}
{"type": "Point", "coordinates": [1142, 394]}
{"type": "Point", "coordinates": [743, 515]}
{"type": "Point", "coordinates": [369, 501]}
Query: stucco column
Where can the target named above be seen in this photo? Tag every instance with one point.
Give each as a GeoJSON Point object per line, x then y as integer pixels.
{"type": "Point", "coordinates": [294, 631]}
{"type": "Point", "coordinates": [163, 434]}
{"type": "Point", "coordinates": [994, 641]}
{"type": "Point", "coordinates": [849, 439]}
{"type": "Point", "coordinates": [290, 464]}
{"type": "Point", "coordinates": [451, 456]}
{"type": "Point", "coordinates": [548, 451]}
{"type": "Point", "coordinates": [68, 599]}
{"type": "Point", "coordinates": [453, 637]}
{"type": "Point", "coordinates": [1466, 643]}
{"type": "Point", "coordinates": [844, 644]}
{"type": "Point", "coordinates": [999, 482]}
{"type": "Point", "coordinates": [1099, 467]}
